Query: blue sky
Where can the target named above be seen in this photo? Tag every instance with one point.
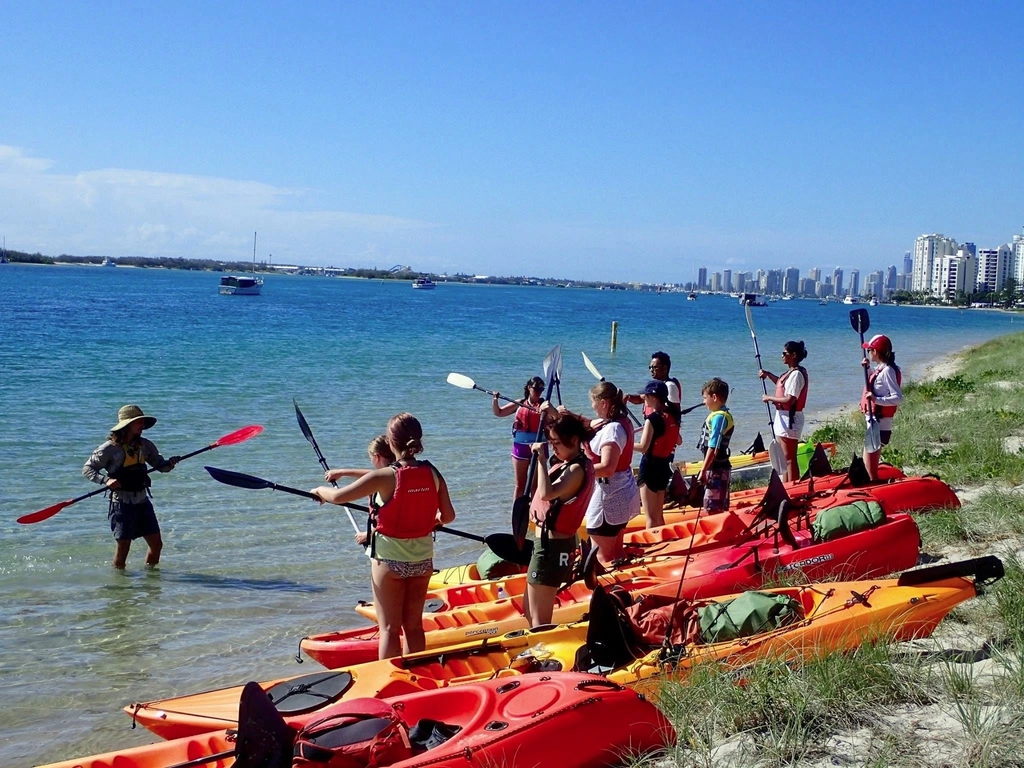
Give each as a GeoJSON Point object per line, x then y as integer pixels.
{"type": "Point", "coordinates": [617, 141]}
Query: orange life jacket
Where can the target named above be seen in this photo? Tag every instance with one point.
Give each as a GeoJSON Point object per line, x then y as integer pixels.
{"type": "Point", "coordinates": [626, 457]}
{"type": "Point", "coordinates": [663, 447]}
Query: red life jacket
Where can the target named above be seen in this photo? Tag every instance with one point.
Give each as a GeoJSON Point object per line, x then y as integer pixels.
{"type": "Point", "coordinates": [881, 411]}
{"type": "Point", "coordinates": [626, 457]}
{"type": "Point", "coordinates": [801, 399]}
{"type": "Point", "coordinates": [526, 420]}
{"type": "Point", "coordinates": [665, 446]}
{"type": "Point", "coordinates": [412, 511]}
{"type": "Point", "coordinates": [564, 516]}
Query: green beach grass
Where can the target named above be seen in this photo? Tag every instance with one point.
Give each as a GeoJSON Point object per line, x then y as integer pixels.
{"type": "Point", "coordinates": [954, 700]}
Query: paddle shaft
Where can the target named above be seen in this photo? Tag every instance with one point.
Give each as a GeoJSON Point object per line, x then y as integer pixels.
{"type": "Point", "coordinates": [521, 403]}
{"type": "Point", "coordinates": [757, 354]}
{"type": "Point", "coordinates": [307, 432]}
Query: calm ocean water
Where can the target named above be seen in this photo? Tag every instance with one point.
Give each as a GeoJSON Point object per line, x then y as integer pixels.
{"type": "Point", "coordinates": [245, 574]}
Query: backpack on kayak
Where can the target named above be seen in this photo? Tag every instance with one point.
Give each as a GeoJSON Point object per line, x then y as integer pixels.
{"type": "Point", "coordinates": [749, 614]}
{"type": "Point", "coordinates": [836, 522]}
{"type": "Point", "coordinates": [368, 733]}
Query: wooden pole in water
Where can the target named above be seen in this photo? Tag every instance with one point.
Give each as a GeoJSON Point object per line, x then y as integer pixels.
{"type": "Point", "coordinates": [615, 333]}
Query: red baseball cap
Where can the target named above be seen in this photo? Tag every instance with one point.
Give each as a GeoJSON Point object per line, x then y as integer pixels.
{"type": "Point", "coordinates": [878, 343]}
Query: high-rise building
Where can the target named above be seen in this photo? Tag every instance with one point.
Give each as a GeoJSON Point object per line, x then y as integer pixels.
{"type": "Point", "coordinates": [814, 274]}
{"type": "Point", "coordinates": [808, 287]}
{"type": "Point", "coordinates": [837, 280]}
{"type": "Point", "coordinates": [890, 281]}
{"type": "Point", "coordinates": [791, 282]}
{"type": "Point", "coordinates": [1018, 263]}
{"type": "Point", "coordinates": [855, 282]}
{"type": "Point", "coordinates": [727, 280]}
{"type": "Point", "coordinates": [908, 263]}
{"type": "Point", "coordinates": [928, 253]}
{"type": "Point", "coordinates": [702, 279]}
{"type": "Point", "coordinates": [873, 284]}
{"type": "Point", "coordinates": [740, 281]}
{"type": "Point", "coordinates": [956, 275]}
{"type": "Point", "coordinates": [994, 267]}
{"type": "Point", "coordinates": [716, 281]}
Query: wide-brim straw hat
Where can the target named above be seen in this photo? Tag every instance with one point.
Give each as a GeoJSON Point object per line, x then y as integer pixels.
{"type": "Point", "coordinates": [129, 413]}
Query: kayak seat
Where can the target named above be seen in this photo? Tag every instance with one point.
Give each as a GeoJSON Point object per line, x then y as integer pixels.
{"type": "Point", "coordinates": [427, 734]}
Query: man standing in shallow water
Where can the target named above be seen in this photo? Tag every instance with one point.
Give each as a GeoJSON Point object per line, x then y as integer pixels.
{"type": "Point", "coordinates": [120, 464]}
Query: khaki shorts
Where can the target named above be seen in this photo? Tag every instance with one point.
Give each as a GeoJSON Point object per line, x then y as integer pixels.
{"type": "Point", "coordinates": [551, 566]}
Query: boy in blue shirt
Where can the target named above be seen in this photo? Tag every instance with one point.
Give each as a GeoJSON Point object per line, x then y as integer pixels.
{"type": "Point", "coordinates": [715, 435]}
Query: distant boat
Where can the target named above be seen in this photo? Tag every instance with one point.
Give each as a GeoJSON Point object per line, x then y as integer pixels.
{"type": "Point", "coordinates": [242, 285]}
{"type": "Point", "coordinates": [424, 283]}
{"type": "Point", "coordinates": [107, 263]}
{"type": "Point", "coordinates": [3, 252]}
{"type": "Point", "coordinates": [823, 303]}
{"type": "Point", "coordinates": [873, 302]}
{"type": "Point", "coordinates": [850, 300]}
{"type": "Point", "coordinates": [752, 300]}
{"type": "Point", "coordinates": [692, 296]}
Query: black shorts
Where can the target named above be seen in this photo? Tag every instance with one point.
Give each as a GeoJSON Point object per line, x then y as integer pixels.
{"type": "Point", "coordinates": [607, 529]}
{"type": "Point", "coordinates": [551, 566]}
{"type": "Point", "coordinates": [132, 521]}
{"type": "Point", "coordinates": [885, 436]}
{"type": "Point", "coordinates": [655, 473]}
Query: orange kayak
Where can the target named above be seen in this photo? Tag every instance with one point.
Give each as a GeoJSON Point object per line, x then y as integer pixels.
{"type": "Point", "coordinates": [521, 720]}
{"type": "Point", "coordinates": [827, 617]}
{"type": "Point", "coordinates": [891, 546]}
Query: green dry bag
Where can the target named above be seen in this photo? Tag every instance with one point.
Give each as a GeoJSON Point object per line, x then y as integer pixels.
{"type": "Point", "coordinates": [749, 614]}
{"type": "Point", "coordinates": [836, 522]}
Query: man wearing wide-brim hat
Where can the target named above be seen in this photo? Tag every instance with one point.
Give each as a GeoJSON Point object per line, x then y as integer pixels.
{"type": "Point", "coordinates": [121, 465]}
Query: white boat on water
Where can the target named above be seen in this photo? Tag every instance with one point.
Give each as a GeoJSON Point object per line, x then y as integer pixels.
{"type": "Point", "coordinates": [423, 283]}
{"type": "Point", "coordinates": [752, 300]}
{"type": "Point", "coordinates": [850, 300]}
{"type": "Point", "coordinates": [692, 296]}
{"type": "Point", "coordinates": [873, 302]}
{"type": "Point", "coordinates": [242, 285]}
{"type": "Point", "coordinates": [108, 263]}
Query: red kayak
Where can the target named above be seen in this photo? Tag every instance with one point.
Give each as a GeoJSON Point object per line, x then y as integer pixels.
{"type": "Point", "coordinates": [889, 547]}
{"type": "Point", "coordinates": [911, 494]}
{"type": "Point", "coordinates": [560, 718]}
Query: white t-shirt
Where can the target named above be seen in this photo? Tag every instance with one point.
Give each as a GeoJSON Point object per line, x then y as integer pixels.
{"type": "Point", "coordinates": [617, 500]}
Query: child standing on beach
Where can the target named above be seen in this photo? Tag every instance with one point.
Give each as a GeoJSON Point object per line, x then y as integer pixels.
{"type": "Point", "coordinates": [882, 395]}
{"type": "Point", "coordinates": [657, 444]}
{"type": "Point", "coordinates": [715, 435]}
{"type": "Point", "coordinates": [120, 464]}
{"type": "Point", "coordinates": [380, 457]}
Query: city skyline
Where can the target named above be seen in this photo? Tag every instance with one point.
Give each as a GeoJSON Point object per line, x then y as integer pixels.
{"type": "Point", "coordinates": [603, 141]}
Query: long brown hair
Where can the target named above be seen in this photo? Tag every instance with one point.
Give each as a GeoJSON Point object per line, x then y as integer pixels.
{"type": "Point", "coordinates": [605, 390]}
{"type": "Point", "coordinates": [405, 435]}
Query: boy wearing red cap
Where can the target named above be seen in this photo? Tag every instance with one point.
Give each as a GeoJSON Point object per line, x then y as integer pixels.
{"type": "Point", "coordinates": [882, 395]}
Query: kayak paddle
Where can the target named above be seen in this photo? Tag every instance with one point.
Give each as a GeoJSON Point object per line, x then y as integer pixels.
{"type": "Point", "coordinates": [502, 544]}
{"type": "Point", "coordinates": [238, 436]}
{"type": "Point", "coordinates": [464, 382]}
{"type": "Point", "coordinates": [597, 375]}
{"type": "Point", "coordinates": [521, 506]}
{"type": "Point", "coordinates": [872, 437]}
{"type": "Point", "coordinates": [308, 434]}
{"type": "Point", "coordinates": [775, 455]}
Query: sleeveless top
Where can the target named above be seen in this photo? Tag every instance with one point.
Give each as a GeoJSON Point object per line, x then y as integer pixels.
{"type": "Point", "coordinates": [801, 399]}
{"type": "Point", "coordinates": [564, 515]}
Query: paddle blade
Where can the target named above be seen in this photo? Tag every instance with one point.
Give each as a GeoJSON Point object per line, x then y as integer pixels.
{"type": "Point", "coordinates": [750, 319]}
{"type": "Point", "coordinates": [777, 457]}
{"type": "Point", "coordinates": [239, 436]}
{"type": "Point", "coordinates": [43, 514]}
{"type": "Point", "coordinates": [873, 438]}
{"type": "Point", "coordinates": [237, 479]}
{"type": "Point", "coordinates": [463, 382]}
{"type": "Point", "coordinates": [591, 367]}
{"type": "Point", "coordinates": [505, 546]}
{"type": "Point", "coordinates": [303, 424]}
{"type": "Point", "coordinates": [859, 320]}
{"type": "Point", "coordinates": [552, 365]}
